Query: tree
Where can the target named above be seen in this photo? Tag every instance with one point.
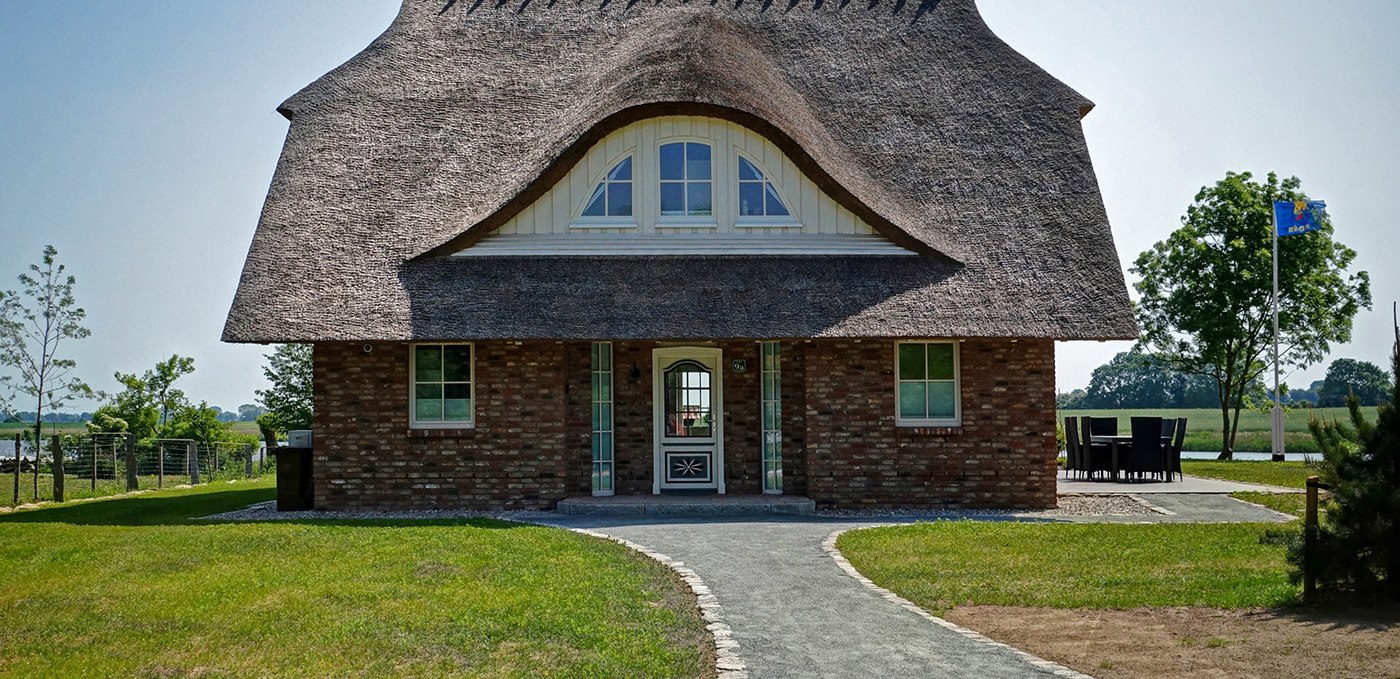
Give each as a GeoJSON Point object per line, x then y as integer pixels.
{"type": "Point", "coordinates": [1205, 292]}
{"type": "Point", "coordinates": [288, 400]}
{"type": "Point", "coordinates": [1358, 542]}
{"type": "Point", "coordinates": [135, 406]}
{"type": "Point", "coordinates": [31, 333]}
{"type": "Point", "coordinates": [1134, 380]}
{"type": "Point", "coordinates": [1366, 380]}
{"type": "Point", "coordinates": [249, 412]}
{"type": "Point", "coordinates": [200, 423]}
{"type": "Point", "coordinates": [154, 389]}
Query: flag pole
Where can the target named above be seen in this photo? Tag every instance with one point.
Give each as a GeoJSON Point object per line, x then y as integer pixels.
{"type": "Point", "coordinates": [1277, 428]}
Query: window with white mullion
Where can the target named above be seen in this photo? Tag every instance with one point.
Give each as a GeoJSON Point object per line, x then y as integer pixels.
{"type": "Point", "coordinates": [928, 391]}
{"type": "Point", "coordinates": [442, 385]}
{"type": "Point", "coordinates": [772, 416]}
{"type": "Point", "coordinates": [602, 406]}
{"type": "Point", "coordinates": [611, 201]}
{"type": "Point", "coordinates": [686, 180]}
{"type": "Point", "coordinates": [758, 196]}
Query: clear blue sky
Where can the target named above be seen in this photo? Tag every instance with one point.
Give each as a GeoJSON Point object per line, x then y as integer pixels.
{"type": "Point", "coordinates": [139, 138]}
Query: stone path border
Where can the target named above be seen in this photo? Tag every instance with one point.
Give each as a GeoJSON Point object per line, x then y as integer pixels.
{"type": "Point", "coordinates": [1290, 517]}
{"type": "Point", "coordinates": [728, 663]}
{"type": "Point", "coordinates": [829, 546]}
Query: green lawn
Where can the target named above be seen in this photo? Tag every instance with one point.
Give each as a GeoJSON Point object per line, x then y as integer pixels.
{"type": "Point", "coordinates": [1203, 428]}
{"type": "Point", "coordinates": [135, 587]}
{"type": "Point", "coordinates": [1284, 474]}
{"type": "Point", "coordinates": [1060, 565]}
{"type": "Point", "coordinates": [1288, 503]}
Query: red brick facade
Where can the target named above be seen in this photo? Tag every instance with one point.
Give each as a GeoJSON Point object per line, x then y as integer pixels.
{"type": "Point", "coordinates": [530, 443]}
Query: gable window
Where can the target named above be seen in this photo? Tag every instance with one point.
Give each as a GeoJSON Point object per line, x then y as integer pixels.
{"type": "Point", "coordinates": [928, 384]}
{"type": "Point", "coordinates": [612, 197]}
{"type": "Point", "coordinates": [758, 197]}
{"type": "Point", "coordinates": [686, 184]}
{"type": "Point", "coordinates": [441, 394]}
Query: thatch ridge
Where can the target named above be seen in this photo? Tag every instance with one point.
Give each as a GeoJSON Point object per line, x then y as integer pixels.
{"type": "Point", "coordinates": [914, 115]}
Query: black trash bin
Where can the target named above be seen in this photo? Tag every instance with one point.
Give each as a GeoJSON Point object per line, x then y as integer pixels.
{"type": "Point", "coordinates": [294, 479]}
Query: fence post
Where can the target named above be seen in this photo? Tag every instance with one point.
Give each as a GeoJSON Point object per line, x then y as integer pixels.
{"type": "Point", "coordinates": [192, 459]}
{"type": "Point", "coordinates": [1310, 543]}
{"type": "Point", "coordinates": [94, 467]}
{"type": "Point", "coordinates": [57, 470]}
{"type": "Point", "coordinates": [17, 466]}
{"type": "Point", "coordinates": [129, 451]}
{"type": "Point", "coordinates": [160, 460]}
{"type": "Point", "coordinates": [248, 461]}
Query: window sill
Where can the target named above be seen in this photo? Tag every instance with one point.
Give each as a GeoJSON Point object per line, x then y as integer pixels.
{"type": "Point", "coordinates": [587, 223]}
{"type": "Point", "coordinates": [767, 223]}
{"type": "Point", "coordinates": [930, 428]}
{"type": "Point", "coordinates": [698, 222]}
{"type": "Point", "coordinates": [447, 430]}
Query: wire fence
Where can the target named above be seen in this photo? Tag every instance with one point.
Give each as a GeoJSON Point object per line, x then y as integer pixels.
{"type": "Point", "coordinates": [71, 467]}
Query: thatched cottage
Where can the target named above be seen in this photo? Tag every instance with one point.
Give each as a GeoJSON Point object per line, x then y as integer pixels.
{"type": "Point", "coordinates": [554, 249]}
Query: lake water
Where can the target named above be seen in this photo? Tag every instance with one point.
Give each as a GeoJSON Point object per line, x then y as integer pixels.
{"type": "Point", "coordinates": [1253, 457]}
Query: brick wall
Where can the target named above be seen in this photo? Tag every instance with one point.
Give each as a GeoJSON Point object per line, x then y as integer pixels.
{"type": "Point", "coordinates": [518, 455]}
{"type": "Point", "coordinates": [1003, 455]}
{"type": "Point", "coordinates": [530, 446]}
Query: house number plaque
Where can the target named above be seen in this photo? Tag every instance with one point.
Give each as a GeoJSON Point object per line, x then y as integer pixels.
{"type": "Point", "coordinates": [739, 365]}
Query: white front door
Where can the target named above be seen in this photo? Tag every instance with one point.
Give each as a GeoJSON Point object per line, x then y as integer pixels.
{"type": "Point", "coordinates": [688, 416]}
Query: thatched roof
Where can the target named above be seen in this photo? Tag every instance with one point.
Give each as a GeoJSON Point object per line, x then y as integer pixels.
{"type": "Point", "coordinates": [914, 116]}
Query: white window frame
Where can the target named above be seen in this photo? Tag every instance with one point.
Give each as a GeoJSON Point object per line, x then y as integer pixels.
{"type": "Point", "coordinates": [582, 223]}
{"type": "Point", "coordinates": [771, 465]}
{"type": "Point", "coordinates": [956, 419]}
{"type": "Point", "coordinates": [710, 221]}
{"type": "Point", "coordinates": [607, 454]}
{"type": "Point", "coordinates": [413, 422]}
{"type": "Point", "coordinates": [788, 221]}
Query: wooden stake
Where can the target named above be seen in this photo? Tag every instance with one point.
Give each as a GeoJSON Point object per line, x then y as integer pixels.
{"type": "Point", "coordinates": [1310, 543]}
{"type": "Point", "coordinates": [17, 466]}
{"type": "Point", "coordinates": [57, 470]}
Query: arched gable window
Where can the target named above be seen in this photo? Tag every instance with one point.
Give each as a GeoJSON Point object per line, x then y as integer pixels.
{"type": "Point", "coordinates": [686, 180]}
{"type": "Point", "coordinates": [757, 195]}
{"type": "Point", "coordinates": [612, 197]}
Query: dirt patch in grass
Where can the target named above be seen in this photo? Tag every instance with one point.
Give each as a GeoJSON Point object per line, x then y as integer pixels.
{"type": "Point", "coordinates": [1198, 641]}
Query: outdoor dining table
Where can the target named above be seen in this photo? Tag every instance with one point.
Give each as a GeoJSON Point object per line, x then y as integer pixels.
{"type": "Point", "coordinates": [1114, 441]}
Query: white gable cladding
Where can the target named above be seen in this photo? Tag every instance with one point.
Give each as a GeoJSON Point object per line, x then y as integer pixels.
{"type": "Point", "coordinates": [553, 224]}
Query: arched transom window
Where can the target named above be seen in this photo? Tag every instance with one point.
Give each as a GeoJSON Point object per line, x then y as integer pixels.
{"type": "Point", "coordinates": [686, 180]}
{"type": "Point", "coordinates": [612, 196]}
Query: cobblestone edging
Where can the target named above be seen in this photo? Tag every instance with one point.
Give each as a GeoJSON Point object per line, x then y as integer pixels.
{"type": "Point", "coordinates": [829, 545]}
{"type": "Point", "coordinates": [728, 663]}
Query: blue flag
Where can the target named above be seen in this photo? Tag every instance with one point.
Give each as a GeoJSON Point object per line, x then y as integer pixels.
{"type": "Point", "coordinates": [1298, 216]}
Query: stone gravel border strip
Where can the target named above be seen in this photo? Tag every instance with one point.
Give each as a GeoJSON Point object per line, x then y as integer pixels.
{"type": "Point", "coordinates": [1290, 517]}
{"type": "Point", "coordinates": [829, 545]}
{"type": "Point", "coordinates": [728, 663]}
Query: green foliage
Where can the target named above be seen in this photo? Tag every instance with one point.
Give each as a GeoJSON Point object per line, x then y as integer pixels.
{"type": "Point", "coordinates": [147, 402]}
{"type": "Point", "coordinates": [1367, 381]}
{"type": "Point", "coordinates": [1133, 379]}
{"type": "Point", "coordinates": [31, 333]}
{"type": "Point", "coordinates": [1358, 544]}
{"type": "Point", "coordinates": [944, 564]}
{"type": "Point", "coordinates": [202, 424]}
{"type": "Point", "coordinates": [289, 399]}
{"type": "Point", "coordinates": [1206, 291]}
{"type": "Point", "coordinates": [105, 421]}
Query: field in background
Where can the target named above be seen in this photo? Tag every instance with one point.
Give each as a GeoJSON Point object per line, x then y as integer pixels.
{"type": "Point", "coordinates": [1203, 428]}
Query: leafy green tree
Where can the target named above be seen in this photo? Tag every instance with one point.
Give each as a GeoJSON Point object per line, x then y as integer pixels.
{"type": "Point", "coordinates": [135, 406]}
{"type": "Point", "coordinates": [105, 421]}
{"type": "Point", "coordinates": [1358, 545]}
{"type": "Point", "coordinates": [288, 400]}
{"type": "Point", "coordinates": [249, 412]}
{"type": "Point", "coordinates": [1205, 292]}
{"type": "Point", "coordinates": [1346, 376]}
{"type": "Point", "coordinates": [1134, 380]}
{"type": "Point", "coordinates": [33, 326]}
{"type": "Point", "coordinates": [200, 423]}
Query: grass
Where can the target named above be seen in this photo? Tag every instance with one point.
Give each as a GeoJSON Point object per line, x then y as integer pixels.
{"type": "Point", "coordinates": [1203, 430]}
{"type": "Point", "coordinates": [135, 586]}
{"type": "Point", "coordinates": [1282, 474]}
{"type": "Point", "coordinates": [9, 429]}
{"type": "Point", "coordinates": [1288, 503]}
{"type": "Point", "coordinates": [946, 564]}
{"type": "Point", "coordinates": [77, 488]}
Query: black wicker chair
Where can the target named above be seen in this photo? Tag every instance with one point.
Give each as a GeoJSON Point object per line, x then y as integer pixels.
{"type": "Point", "coordinates": [1073, 450]}
{"type": "Point", "coordinates": [1174, 450]}
{"type": "Point", "coordinates": [1148, 455]}
{"type": "Point", "coordinates": [1095, 457]}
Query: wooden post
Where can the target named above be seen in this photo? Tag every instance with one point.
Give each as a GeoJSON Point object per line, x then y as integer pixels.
{"type": "Point", "coordinates": [248, 461]}
{"type": "Point", "coordinates": [1310, 543]}
{"type": "Point", "coordinates": [17, 466]}
{"type": "Point", "coordinates": [129, 448]}
{"type": "Point", "coordinates": [192, 457]}
{"type": "Point", "coordinates": [57, 470]}
{"type": "Point", "coordinates": [94, 467]}
{"type": "Point", "coordinates": [160, 460]}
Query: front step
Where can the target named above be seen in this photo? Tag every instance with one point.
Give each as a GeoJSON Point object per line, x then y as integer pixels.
{"type": "Point", "coordinates": [688, 505]}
